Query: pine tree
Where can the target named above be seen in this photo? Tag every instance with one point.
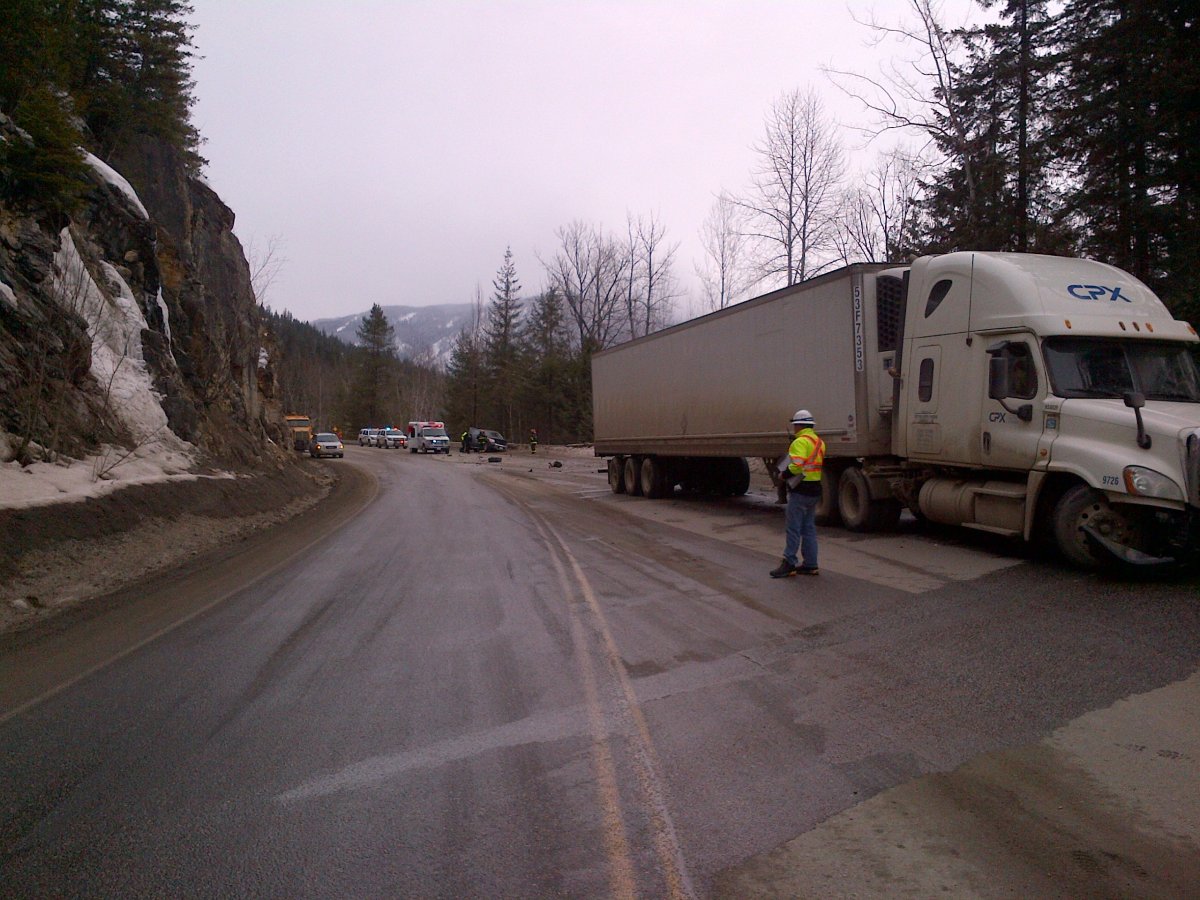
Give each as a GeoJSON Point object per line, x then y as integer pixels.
{"type": "Point", "coordinates": [378, 340]}
{"type": "Point", "coordinates": [996, 192]}
{"type": "Point", "coordinates": [501, 352]}
{"type": "Point", "coordinates": [1109, 127]}
{"type": "Point", "coordinates": [545, 348]}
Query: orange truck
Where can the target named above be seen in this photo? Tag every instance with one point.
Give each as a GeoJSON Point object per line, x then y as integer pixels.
{"type": "Point", "coordinates": [300, 429]}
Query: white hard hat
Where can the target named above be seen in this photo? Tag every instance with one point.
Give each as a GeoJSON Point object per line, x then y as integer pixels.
{"type": "Point", "coordinates": [802, 417]}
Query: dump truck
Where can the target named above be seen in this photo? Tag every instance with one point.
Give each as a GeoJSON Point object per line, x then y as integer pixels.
{"type": "Point", "coordinates": [1050, 399]}
{"type": "Point", "coordinates": [299, 430]}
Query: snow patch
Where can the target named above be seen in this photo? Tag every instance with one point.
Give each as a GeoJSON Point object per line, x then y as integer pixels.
{"type": "Point", "coordinates": [103, 473]}
{"type": "Point", "coordinates": [264, 358]}
{"type": "Point", "coordinates": [115, 325]}
{"type": "Point", "coordinates": [166, 315]}
{"type": "Point", "coordinates": [407, 317]}
{"type": "Point", "coordinates": [117, 180]}
{"type": "Point", "coordinates": [7, 295]}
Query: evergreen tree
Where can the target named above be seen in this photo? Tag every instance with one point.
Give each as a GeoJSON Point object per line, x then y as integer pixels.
{"type": "Point", "coordinates": [996, 193]}
{"type": "Point", "coordinates": [545, 349]}
{"type": "Point", "coordinates": [502, 362]}
{"type": "Point", "coordinates": [1127, 122]}
{"type": "Point", "coordinates": [375, 366]}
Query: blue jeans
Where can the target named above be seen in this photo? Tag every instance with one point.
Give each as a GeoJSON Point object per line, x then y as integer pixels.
{"type": "Point", "coordinates": [802, 529]}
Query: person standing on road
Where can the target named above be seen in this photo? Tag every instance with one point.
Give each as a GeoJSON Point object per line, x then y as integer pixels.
{"type": "Point", "coordinates": [533, 440]}
{"type": "Point", "coordinates": [803, 477]}
{"type": "Point", "coordinates": [466, 442]}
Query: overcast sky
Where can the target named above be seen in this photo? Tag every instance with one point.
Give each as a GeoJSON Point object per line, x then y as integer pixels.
{"type": "Point", "coordinates": [394, 149]}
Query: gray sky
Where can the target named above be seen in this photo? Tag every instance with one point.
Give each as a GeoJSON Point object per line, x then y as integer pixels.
{"type": "Point", "coordinates": [394, 149]}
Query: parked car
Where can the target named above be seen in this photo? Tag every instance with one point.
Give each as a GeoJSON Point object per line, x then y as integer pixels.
{"type": "Point", "coordinates": [391, 439]}
{"type": "Point", "coordinates": [366, 437]}
{"type": "Point", "coordinates": [484, 440]}
{"type": "Point", "coordinates": [325, 444]}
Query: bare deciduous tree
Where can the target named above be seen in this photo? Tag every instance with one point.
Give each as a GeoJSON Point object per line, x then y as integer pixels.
{"type": "Point", "coordinates": [879, 216]}
{"type": "Point", "coordinates": [587, 271]}
{"type": "Point", "coordinates": [790, 206]}
{"type": "Point", "coordinates": [650, 288]}
{"type": "Point", "coordinates": [265, 265]}
{"type": "Point", "coordinates": [723, 274]}
{"type": "Point", "coordinates": [919, 92]}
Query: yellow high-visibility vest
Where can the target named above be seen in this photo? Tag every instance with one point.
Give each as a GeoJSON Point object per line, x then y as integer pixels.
{"type": "Point", "coordinates": [807, 455]}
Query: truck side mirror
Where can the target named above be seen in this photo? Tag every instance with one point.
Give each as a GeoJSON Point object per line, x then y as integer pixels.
{"type": "Point", "coordinates": [998, 387]}
{"type": "Point", "coordinates": [1135, 400]}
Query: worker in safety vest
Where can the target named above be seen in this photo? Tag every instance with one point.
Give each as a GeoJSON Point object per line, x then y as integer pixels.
{"type": "Point", "coordinates": [803, 477]}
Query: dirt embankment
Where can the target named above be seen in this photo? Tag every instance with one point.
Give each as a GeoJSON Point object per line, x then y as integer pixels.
{"type": "Point", "coordinates": [55, 557]}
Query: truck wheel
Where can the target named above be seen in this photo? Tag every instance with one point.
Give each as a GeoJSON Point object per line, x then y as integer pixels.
{"type": "Point", "coordinates": [616, 474]}
{"type": "Point", "coordinates": [633, 480]}
{"type": "Point", "coordinates": [828, 512]}
{"type": "Point", "coordinates": [737, 477]}
{"type": "Point", "coordinates": [1082, 505]}
{"type": "Point", "coordinates": [654, 478]}
{"type": "Point", "coordinates": [859, 512]}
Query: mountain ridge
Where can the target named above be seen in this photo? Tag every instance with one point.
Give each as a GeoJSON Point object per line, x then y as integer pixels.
{"type": "Point", "coordinates": [421, 331]}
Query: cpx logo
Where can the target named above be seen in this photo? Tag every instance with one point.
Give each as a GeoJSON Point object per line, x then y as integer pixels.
{"type": "Point", "coordinates": [1096, 292]}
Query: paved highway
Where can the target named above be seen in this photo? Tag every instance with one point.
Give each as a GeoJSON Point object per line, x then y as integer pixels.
{"type": "Point", "coordinates": [493, 681]}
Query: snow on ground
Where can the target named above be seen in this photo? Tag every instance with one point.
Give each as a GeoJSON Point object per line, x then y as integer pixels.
{"type": "Point", "coordinates": [7, 295]}
{"type": "Point", "coordinates": [72, 479]}
{"type": "Point", "coordinates": [117, 180]}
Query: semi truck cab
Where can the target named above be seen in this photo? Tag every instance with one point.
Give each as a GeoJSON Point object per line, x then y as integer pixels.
{"type": "Point", "coordinates": [1049, 393]}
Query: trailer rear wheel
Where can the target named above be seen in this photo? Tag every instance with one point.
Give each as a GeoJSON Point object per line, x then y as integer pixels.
{"type": "Point", "coordinates": [736, 480]}
{"type": "Point", "coordinates": [633, 480]}
{"type": "Point", "coordinates": [860, 512]}
{"type": "Point", "coordinates": [654, 478]}
{"type": "Point", "coordinates": [616, 474]}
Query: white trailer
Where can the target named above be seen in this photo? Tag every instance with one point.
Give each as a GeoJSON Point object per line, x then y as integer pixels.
{"type": "Point", "coordinates": [1039, 397]}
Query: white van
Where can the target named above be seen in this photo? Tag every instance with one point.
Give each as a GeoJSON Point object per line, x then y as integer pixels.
{"type": "Point", "coordinates": [428, 437]}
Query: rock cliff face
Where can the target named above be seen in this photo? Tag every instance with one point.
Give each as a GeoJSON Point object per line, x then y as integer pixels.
{"type": "Point", "coordinates": [133, 319]}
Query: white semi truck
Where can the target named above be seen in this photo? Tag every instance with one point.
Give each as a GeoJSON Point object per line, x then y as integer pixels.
{"type": "Point", "coordinates": [1046, 398]}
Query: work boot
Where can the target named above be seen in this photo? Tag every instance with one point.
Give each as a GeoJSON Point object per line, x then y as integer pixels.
{"type": "Point", "coordinates": [785, 569]}
{"type": "Point", "coordinates": [808, 570]}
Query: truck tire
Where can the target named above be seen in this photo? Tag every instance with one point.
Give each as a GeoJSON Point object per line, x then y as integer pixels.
{"type": "Point", "coordinates": [859, 512]}
{"type": "Point", "coordinates": [653, 478]}
{"type": "Point", "coordinates": [736, 479]}
{"type": "Point", "coordinates": [1083, 505]}
{"type": "Point", "coordinates": [633, 480]}
{"type": "Point", "coordinates": [616, 474]}
{"type": "Point", "coordinates": [828, 512]}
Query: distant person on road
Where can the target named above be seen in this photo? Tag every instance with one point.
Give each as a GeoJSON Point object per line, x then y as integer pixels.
{"type": "Point", "coordinates": [533, 440]}
{"type": "Point", "coordinates": [466, 442]}
{"type": "Point", "coordinates": [802, 475]}
{"type": "Point", "coordinates": [481, 438]}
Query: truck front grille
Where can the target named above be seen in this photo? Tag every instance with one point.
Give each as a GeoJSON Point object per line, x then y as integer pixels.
{"type": "Point", "coordinates": [1192, 468]}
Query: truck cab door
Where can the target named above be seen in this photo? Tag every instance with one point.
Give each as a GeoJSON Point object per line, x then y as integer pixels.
{"type": "Point", "coordinates": [1013, 433]}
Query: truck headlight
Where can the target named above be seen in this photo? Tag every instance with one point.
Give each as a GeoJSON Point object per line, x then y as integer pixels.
{"type": "Point", "coordinates": [1142, 482]}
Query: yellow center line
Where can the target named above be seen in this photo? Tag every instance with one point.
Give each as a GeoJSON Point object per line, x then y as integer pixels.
{"type": "Point", "coordinates": [616, 845]}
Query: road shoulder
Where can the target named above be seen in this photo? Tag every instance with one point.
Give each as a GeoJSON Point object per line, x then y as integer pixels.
{"type": "Point", "coordinates": [40, 660]}
{"type": "Point", "coordinates": [1104, 806]}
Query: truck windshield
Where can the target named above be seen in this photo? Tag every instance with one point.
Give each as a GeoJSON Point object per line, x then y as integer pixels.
{"type": "Point", "coordinates": [1101, 367]}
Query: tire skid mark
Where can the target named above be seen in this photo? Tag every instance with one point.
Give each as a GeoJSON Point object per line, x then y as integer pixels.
{"type": "Point", "coordinates": [621, 875]}
{"type": "Point", "coordinates": [644, 757]}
